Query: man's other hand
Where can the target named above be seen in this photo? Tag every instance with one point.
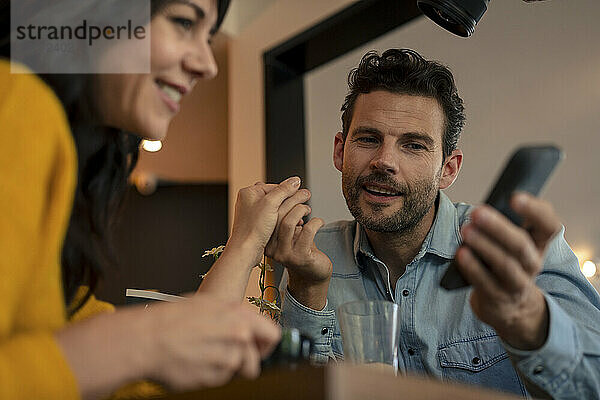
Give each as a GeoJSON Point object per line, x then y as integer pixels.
{"type": "Point", "coordinates": [501, 261]}
{"type": "Point", "coordinates": [293, 246]}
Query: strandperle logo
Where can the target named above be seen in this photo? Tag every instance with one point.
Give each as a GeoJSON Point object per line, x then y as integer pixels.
{"type": "Point", "coordinates": [84, 31]}
{"type": "Point", "coordinates": [81, 36]}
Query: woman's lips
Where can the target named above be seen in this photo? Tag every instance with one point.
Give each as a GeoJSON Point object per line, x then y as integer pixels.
{"type": "Point", "coordinates": [171, 93]}
{"type": "Point", "coordinates": [171, 104]}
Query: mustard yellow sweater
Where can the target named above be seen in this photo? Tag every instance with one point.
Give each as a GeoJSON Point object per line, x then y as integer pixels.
{"type": "Point", "coordinates": [37, 183]}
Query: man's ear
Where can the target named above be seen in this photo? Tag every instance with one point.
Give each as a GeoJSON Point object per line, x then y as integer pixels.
{"type": "Point", "coordinates": [338, 151]}
{"type": "Point", "coordinates": [451, 168]}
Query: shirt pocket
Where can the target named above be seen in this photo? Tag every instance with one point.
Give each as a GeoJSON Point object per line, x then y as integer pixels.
{"type": "Point", "coordinates": [479, 361]}
{"type": "Point", "coordinates": [336, 346]}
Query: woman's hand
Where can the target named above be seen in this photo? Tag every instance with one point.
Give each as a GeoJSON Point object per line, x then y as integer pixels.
{"type": "Point", "coordinates": [256, 213]}
{"type": "Point", "coordinates": [203, 343]}
{"type": "Point", "coordinates": [199, 342]}
{"type": "Point", "coordinates": [257, 210]}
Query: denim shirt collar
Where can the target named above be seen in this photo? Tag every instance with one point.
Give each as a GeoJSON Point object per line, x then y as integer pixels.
{"type": "Point", "coordinates": [442, 240]}
{"type": "Point", "coordinates": [446, 229]}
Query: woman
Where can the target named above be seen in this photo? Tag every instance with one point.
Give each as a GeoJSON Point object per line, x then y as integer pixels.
{"type": "Point", "coordinates": [64, 171]}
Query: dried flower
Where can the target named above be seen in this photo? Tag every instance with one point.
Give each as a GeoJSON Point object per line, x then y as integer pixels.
{"type": "Point", "coordinates": [265, 267]}
{"type": "Point", "coordinates": [215, 252]}
{"type": "Point", "coordinates": [264, 305]}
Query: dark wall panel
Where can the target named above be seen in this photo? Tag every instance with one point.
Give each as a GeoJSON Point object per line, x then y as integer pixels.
{"type": "Point", "coordinates": [160, 239]}
{"type": "Point", "coordinates": [286, 64]}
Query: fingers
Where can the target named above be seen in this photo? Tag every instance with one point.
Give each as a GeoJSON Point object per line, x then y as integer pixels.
{"type": "Point", "coordinates": [282, 190]}
{"type": "Point", "coordinates": [251, 338]}
{"type": "Point", "coordinates": [265, 345]}
{"type": "Point", "coordinates": [209, 349]}
{"type": "Point", "coordinates": [250, 367]}
{"type": "Point", "coordinates": [285, 189]}
{"type": "Point", "coordinates": [512, 255]}
{"type": "Point", "coordinates": [265, 333]}
{"type": "Point", "coordinates": [301, 196]}
{"type": "Point", "coordinates": [539, 217]}
{"type": "Point", "coordinates": [290, 222]}
{"type": "Point", "coordinates": [506, 270]}
{"type": "Point", "coordinates": [306, 238]}
{"type": "Point", "coordinates": [475, 272]}
{"type": "Point", "coordinates": [509, 239]}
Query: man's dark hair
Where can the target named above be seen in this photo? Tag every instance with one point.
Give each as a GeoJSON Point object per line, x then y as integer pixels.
{"type": "Point", "coordinates": [404, 71]}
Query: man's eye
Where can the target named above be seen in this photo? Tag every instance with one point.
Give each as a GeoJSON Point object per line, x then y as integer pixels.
{"type": "Point", "coordinates": [185, 23]}
{"type": "Point", "coordinates": [415, 146]}
{"type": "Point", "coordinates": [366, 139]}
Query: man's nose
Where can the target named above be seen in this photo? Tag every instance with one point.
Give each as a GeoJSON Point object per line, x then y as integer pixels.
{"type": "Point", "coordinates": [385, 160]}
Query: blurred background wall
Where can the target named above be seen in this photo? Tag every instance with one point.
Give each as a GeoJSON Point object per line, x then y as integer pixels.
{"type": "Point", "coordinates": [530, 73]}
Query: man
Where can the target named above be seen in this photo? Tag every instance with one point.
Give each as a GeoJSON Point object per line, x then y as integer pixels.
{"type": "Point", "coordinates": [526, 326]}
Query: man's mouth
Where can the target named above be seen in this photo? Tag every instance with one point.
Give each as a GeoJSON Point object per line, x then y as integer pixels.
{"type": "Point", "coordinates": [381, 190]}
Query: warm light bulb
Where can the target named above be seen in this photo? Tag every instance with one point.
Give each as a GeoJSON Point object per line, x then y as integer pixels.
{"type": "Point", "coordinates": [589, 269]}
{"type": "Point", "coordinates": [151, 145]}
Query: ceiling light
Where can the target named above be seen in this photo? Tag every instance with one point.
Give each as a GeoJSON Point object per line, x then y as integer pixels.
{"type": "Point", "coordinates": [151, 145]}
{"type": "Point", "coordinates": [588, 269]}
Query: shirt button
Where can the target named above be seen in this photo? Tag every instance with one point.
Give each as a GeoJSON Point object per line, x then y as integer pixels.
{"type": "Point", "coordinates": [411, 352]}
{"type": "Point", "coordinates": [324, 331]}
{"type": "Point", "coordinates": [476, 360]}
{"type": "Point", "coordinates": [405, 292]}
{"type": "Point", "coordinates": [538, 370]}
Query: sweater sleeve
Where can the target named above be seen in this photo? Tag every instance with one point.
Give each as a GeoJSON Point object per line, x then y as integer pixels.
{"type": "Point", "coordinates": [37, 175]}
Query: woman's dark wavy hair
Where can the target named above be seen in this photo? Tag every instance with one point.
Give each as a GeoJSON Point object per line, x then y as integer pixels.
{"type": "Point", "coordinates": [106, 157]}
{"type": "Point", "coordinates": [405, 71]}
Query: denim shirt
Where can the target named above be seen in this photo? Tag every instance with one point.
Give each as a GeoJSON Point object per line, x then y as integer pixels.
{"type": "Point", "coordinates": [440, 335]}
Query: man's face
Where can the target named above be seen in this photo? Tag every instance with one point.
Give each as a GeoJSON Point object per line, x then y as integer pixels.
{"type": "Point", "coordinates": [392, 160]}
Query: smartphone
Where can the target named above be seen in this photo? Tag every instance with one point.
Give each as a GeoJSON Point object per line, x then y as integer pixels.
{"type": "Point", "coordinates": [527, 170]}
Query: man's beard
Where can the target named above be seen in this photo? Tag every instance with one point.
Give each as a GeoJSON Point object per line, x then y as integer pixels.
{"type": "Point", "coordinates": [418, 200]}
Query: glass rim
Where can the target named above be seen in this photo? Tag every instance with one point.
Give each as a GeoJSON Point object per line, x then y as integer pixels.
{"type": "Point", "coordinates": [345, 306]}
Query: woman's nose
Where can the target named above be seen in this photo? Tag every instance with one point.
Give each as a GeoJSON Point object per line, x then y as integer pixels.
{"type": "Point", "coordinates": [201, 63]}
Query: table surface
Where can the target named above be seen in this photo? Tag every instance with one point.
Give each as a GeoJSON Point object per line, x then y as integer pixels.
{"type": "Point", "coordinates": [340, 381]}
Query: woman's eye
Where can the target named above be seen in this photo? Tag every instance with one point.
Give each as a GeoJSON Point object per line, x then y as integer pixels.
{"type": "Point", "coordinates": [185, 23]}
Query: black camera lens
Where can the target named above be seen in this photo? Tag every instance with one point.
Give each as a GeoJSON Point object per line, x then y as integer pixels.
{"type": "Point", "coordinates": [456, 16]}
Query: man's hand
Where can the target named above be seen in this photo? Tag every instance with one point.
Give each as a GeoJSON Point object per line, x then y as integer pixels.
{"type": "Point", "coordinates": [505, 295]}
{"type": "Point", "coordinates": [292, 245]}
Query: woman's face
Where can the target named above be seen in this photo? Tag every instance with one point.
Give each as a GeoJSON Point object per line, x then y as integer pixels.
{"type": "Point", "coordinates": [180, 55]}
